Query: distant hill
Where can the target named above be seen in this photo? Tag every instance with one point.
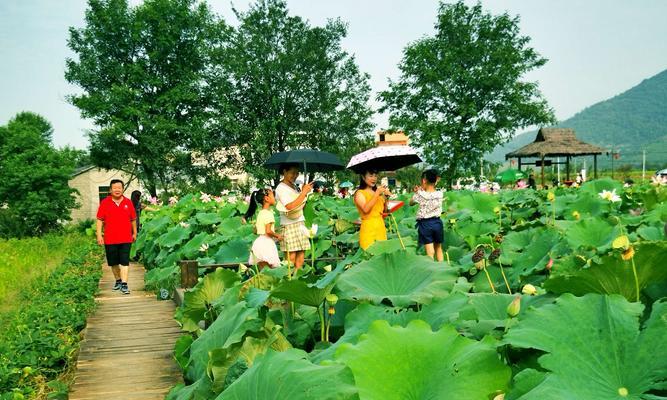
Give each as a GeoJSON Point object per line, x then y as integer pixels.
{"type": "Point", "coordinates": [628, 123]}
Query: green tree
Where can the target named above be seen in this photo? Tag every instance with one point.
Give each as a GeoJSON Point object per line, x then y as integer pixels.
{"type": "Point", "coordinates": [461, 91]}
{"type": "Point", "coordinates": [282, 84]}
{"type": "Point", "coordinates": [34, 194]}
{"type": "Point", "coordinates": [141, 74]}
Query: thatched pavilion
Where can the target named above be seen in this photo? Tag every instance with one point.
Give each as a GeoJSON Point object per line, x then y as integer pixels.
{"type": "Point", "coordinates": [556, 142]}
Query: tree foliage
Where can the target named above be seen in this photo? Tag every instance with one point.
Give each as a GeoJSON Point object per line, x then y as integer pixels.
{"type": "Point", "coordinates": [461, 91]}
{"type": "Point", "coordinates": [141, 74]}
{"type": "Point", "coordinates": [34, 194]}
{"type": "Point", "coordinates": [281, 84]}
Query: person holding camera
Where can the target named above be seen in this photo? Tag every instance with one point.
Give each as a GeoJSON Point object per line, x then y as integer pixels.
{"type": "Point", "coordinates": [290, 201]}
{"type": "Point", "coordinates": [371, 202]}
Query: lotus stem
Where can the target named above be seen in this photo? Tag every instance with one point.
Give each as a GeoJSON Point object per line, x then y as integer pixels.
{"type": "Point", "coordinates": [327, 332]}
{"type": "Point", "coordinates": [322, 322]}
{"type": "Point", "coordinates": [488, 277]}
{"type": "Point", "coordinates": [312, 253]}
{"type": "Point", "coordinates": [553, 207]}
{"type": "Point", "coordinates": [447, 255]}
{"type": "Point", "coordinates": [397, 232]}
{"type": "Point", "coordinates": [634, 271]}
{"type": "Point", "coordinates": [502, 271]}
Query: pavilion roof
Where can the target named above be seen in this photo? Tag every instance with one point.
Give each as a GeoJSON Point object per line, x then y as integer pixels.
{"type": "Point", "coordinates": [555, 142]}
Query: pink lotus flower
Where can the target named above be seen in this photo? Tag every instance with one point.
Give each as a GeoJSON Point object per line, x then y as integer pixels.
{"type": "Point", "coordinates": [205, 198]}
{"type": "Point", "coordinates": [521, 184]}
{"type": "Point", "coordinates": [153, 200]}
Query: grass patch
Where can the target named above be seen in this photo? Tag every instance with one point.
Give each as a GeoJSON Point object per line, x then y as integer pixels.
{"type": "Point", "coordinates": [25, 261]}
{"type": "Point", "coordinates": [39, 338]}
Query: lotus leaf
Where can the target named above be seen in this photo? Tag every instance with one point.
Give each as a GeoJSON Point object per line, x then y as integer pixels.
{"type": "Point", "coordinates": [595, 349]}
{"type": "Point", "coordinates": [389, 246]}
{"type": "Point", "coordinates": [235, 251]}
{"type": "Point", "coordinates": [651, 232]}
{"type": "Point", "coordinates": [199, 390]}
{"type": "Point", "coordinates": [174, 236]}
{"type": "Point", "coordinates": [593, 233]}
{"type": "Point", "coordinates": [229, 328]}
{"type": "Point", "coordinates": [401, 277]}
{"type": "Point", "coordinates": [360, 319]}
{"type": "Point", "coordinates": [529, 251]}
{"type": "Point", "coordinates": [416, 363]}
{"type": "Point", "coordinates": [302, 292]}
{"type": "Point", "coordinates": [289, 375]}
{"type": "Point", "coordinates": [198, 300]}
{"type": "Point", "coordinates": [613, 275]}
{"type": "Point", "coordinates": [208, 218]}
{"type": "Point", "coordinates": [191, 249]}
{"type": "Point", "coordinates": [479, 205]}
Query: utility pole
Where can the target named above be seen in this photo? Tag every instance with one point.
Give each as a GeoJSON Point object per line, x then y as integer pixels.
{"type": "Point", "coordinates": [644, 165]}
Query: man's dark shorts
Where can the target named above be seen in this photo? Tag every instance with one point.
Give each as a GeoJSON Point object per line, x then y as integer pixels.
{"type": "Point", "coordinates": [118, 254]}
{"type": "Point", "coordinates": [430, 230]}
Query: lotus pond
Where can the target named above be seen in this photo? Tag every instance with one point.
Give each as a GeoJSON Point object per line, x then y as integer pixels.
{"type": "Point", "coordinates": [544, 295]}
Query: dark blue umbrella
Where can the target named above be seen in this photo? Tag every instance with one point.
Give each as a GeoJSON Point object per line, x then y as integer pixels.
{"type": "Point", "coordinates": [307, 159]}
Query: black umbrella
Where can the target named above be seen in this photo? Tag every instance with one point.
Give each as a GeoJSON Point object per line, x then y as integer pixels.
{"type": "Point", "coordinates": [310, 160]}
{"type": "Point", "coordinates": [384, 158]}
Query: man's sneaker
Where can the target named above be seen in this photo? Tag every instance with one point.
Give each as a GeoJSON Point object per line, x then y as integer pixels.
{"type": "Point", "coordinates": [117, 285]}
{"type": "Point", "coordinates": [124, 289]}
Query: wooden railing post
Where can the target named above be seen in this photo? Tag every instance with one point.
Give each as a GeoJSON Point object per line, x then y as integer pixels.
{"type": "Point", "coordinates": [189, 273]}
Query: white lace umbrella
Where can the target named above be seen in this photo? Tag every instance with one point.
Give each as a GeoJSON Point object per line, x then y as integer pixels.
{"type": "Point", "coordinates": [384, 158]}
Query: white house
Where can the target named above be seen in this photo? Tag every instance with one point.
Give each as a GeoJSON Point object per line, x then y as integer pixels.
{"type": "Point", "coordinates": [93, 186]}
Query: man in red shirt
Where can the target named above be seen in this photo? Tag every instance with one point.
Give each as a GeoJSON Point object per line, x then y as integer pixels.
{"type": "Point", "coordinates": [119, 219]}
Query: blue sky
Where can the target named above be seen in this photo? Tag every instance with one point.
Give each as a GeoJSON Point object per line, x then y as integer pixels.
{"type": "Point", "coordinates": [596, 48]}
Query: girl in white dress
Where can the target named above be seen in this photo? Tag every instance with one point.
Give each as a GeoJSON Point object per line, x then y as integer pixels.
{"type": "Point", "coordinates": [263, 252]}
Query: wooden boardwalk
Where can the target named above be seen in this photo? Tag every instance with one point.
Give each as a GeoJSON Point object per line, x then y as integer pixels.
{"type": "Point", "coordinates": [128, 345]}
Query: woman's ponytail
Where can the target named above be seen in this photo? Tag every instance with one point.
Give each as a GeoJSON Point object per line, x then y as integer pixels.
{"type": "Point", "coordinates": [252, 207]}
{"type": "Point", "coordinates": [257, 197]}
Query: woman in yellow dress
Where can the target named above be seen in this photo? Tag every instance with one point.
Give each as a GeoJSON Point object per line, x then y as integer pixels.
{"type": "Point", "coordinates": [371, 204]}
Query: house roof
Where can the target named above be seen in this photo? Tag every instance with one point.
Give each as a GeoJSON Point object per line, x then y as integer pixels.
{"type": "Point", "coordinates": [556, 142]}
{"type": "Point", "coordinates": [81, 170]}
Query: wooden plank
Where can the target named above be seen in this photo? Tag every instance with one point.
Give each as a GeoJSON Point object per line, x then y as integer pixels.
{"type": "Point", "coordinates": [127, 350]}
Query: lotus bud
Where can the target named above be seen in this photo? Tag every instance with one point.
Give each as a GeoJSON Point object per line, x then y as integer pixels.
{"type": "Point", "coordinates": [494, 255]}
{"type": "Point", "coordinates": [621, 242]}
{"type": "Point", "coordinates": [332, 299]}
{"type": "Point", "coordinates": [550, 264]}
{"type": "Point", "coordinates": [479, 264]}
{"type": "Point", "coordinates": [514, 307]}
{"type": "Point", "coordinates": [478, 255]}
{"type": "Point", "coordinates": [313, 230]}
{"type": "Point", "coordinates": [614, 220]}
{"type": "Point", "coordinates": [327, 268]}
{"type": "Point", "coordinates": [529, 289]}
{"type": "Point", "coordinates": [203, 248]}
{"type": "Point", "coordinates": [576, 215]}
{"type": "Point", "coordinates": [551, 197]}
{"type": "Point", "coordinates": [628, 253]}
